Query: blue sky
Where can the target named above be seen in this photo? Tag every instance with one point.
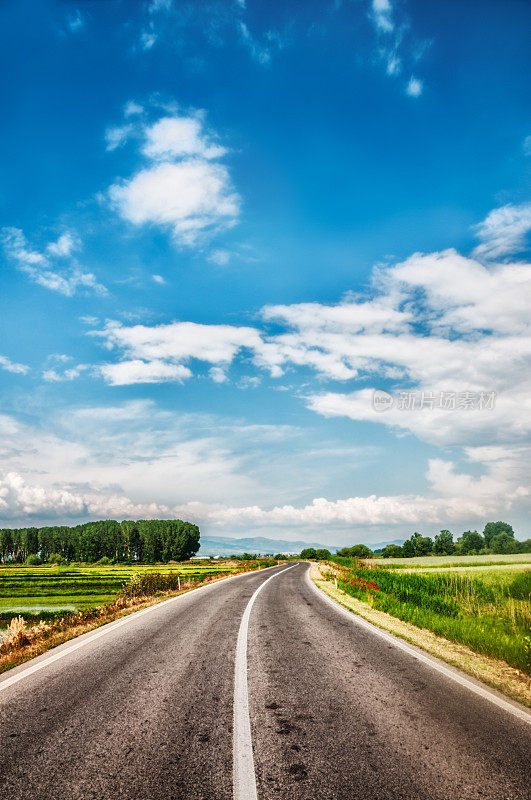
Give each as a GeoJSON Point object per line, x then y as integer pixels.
{"type": "Point", "coordinates": [225, 225]}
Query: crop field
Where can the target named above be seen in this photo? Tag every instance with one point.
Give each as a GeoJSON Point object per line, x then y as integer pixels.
{"type": "Point", "coordinates": [438, 562]}
{"type": "Point", "coordinates": [45, 591]}
{"type": "Point", "coordinates": [483, 606]}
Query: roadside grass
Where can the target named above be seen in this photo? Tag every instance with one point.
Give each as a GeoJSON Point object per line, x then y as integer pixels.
{"type": "Point", "coordinates": [492, 617]}
{"type": "Point", "coordinates": [494, 672]}
{"type": "Point", "coordinates": [44, 592]}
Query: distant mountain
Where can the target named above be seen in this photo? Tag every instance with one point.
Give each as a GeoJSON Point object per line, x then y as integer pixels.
{"type": "Point", "coordinates": [225, 546]}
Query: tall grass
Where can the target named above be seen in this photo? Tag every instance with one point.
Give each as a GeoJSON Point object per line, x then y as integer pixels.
{"type": "Point", "coordinates": [489, 618]}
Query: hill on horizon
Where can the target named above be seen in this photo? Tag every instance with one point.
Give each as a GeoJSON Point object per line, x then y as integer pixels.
{"type": "Point", "coordinates": [225, 545]}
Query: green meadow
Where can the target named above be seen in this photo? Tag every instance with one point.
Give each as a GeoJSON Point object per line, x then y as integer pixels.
{"type": "Point", "coordinates": [43, 592]}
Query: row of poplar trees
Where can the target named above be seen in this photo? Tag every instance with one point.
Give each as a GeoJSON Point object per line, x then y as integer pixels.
{"type": "Point", "coordinates": [141, 541]}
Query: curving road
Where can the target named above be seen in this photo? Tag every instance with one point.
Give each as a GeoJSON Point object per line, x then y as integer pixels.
{"type": "Point", "coordinates": [143, 709]}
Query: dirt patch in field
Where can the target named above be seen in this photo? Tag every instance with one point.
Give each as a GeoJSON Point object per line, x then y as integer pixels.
{"type": "Point", "coordinates": [493, 672]}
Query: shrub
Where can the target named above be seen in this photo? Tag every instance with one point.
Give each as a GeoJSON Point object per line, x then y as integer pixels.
{"type": "Point", "coordinates": [56, 558]}
{"type": "Point", "coordinates": [33, 561]}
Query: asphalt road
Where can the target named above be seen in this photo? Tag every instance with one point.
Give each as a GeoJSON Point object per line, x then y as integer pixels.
{"type": "Point", "coordinates": [145, 711]}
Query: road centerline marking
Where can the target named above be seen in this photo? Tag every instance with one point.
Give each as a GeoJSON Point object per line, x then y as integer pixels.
{"type": "Point", "coordinates": [244, 778]}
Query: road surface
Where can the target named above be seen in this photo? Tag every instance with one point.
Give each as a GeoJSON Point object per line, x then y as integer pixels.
{"type": "Point", "coordinates": [145, 711]}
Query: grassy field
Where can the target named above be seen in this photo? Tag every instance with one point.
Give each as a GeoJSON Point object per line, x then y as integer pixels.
{"type": "Point", "coordinates": [437, 562]}
{"type": "Point", "coordinates": [480, 604]}
{"type": "Point", "coordinates": [43, 592]}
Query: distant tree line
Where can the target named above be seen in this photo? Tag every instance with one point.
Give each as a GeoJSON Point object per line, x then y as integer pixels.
{"type": "Point", "coordinates": [497, 538]}
{"type": "Point", "coordinates": [144, 541]}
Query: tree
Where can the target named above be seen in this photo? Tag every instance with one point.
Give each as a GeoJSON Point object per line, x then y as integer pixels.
{"type": "Point", "coordinates": [408, 549]}
{"type": "Point", "coordinates": [444, 544]}
{"type": "Point", "coordinates": [392, 551]}
{"type": "Point", "coordinates": [504, 543]}
{"type": "Point", "coordinates": [308, 552]}
{"type": "Point", "coordinates": [470, 543]}
{"type": "Point", "coordinates": [143, 540]}
{"type": "Point", "coordinates": [356, 551]}
{"type": "Point", "coordinates": [417, 545]}
{"type": "Point", "coordinates": [323, 554]}
{"type": "Point", "coordinates": [492, 529]}
{"type": "Point", "coordinates": [360, 551]}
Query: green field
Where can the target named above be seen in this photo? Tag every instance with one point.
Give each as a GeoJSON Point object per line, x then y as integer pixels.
{"type": "Point", "coordinates": [45, 591]}
{"type": "Point", "coordinates": [480, 603]}
{"type": "Point", "coordinates": [436, 562]}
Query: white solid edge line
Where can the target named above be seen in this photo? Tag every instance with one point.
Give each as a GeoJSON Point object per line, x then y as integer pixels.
{"type": "Point", "coordinates": [243, 775]}
{"type": "Point", "coordinates": [87, 638]}
{"type": "Point", "coordinates": [458, 677]}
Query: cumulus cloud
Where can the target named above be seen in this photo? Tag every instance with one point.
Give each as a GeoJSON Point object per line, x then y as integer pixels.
{"type": "Point", "coordinates": [39, 267]}
{"type": "Point", "coordinates": [183, 187]}
{"type": "Point", "coordinates": [504, 231]}
{"type": "Point", "coordinates": [176, 137]}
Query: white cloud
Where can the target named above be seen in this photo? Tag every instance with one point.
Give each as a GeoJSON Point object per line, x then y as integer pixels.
{"type": "Point", "coordinates": [118, 136]}
{"type": "Point", "coordinates": [140, 462]}
{"type": "Point", "coordinates": [38, 267]}
{"type": "Point", "coordinates": [178, 137]}
{"type": "Point", "coordinates": [148, 39]}
{"type": "Point", "coordinates": [184, 187]}
{"type": "Point", "coordinates": [137, 371]}
{"type": "Point", "coordinates": [158, 279]}
{"type": "Point", "coordinates": [88, 319]}
{"type": "Point", "coordinates": [219, 257]}
{"type": "Point", "coordinates": [193, 198]}
{"type": "Point", "coordinates": [180, 341]}
{"type": "Point", "coordinates": [414, 87]}
{"type": "Point", "coordinates": [504, 231]}
{"type": "Point", "coordinates": [396, 46]}
{"type": "Point", "coordinates": [132, 109]}
{"type": "Point", "coordinates": [12, 366]}
{"type": "Point", "coordinates": [527, 146]}
{"type": "Point", "coordinates": [64, 246]}
{"type": "Point", "coordinates": [218, 375]}
{"type": "Point", "coordinates": [382, 11]}
{"type": "Point", "coordinates": [53, 376]}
